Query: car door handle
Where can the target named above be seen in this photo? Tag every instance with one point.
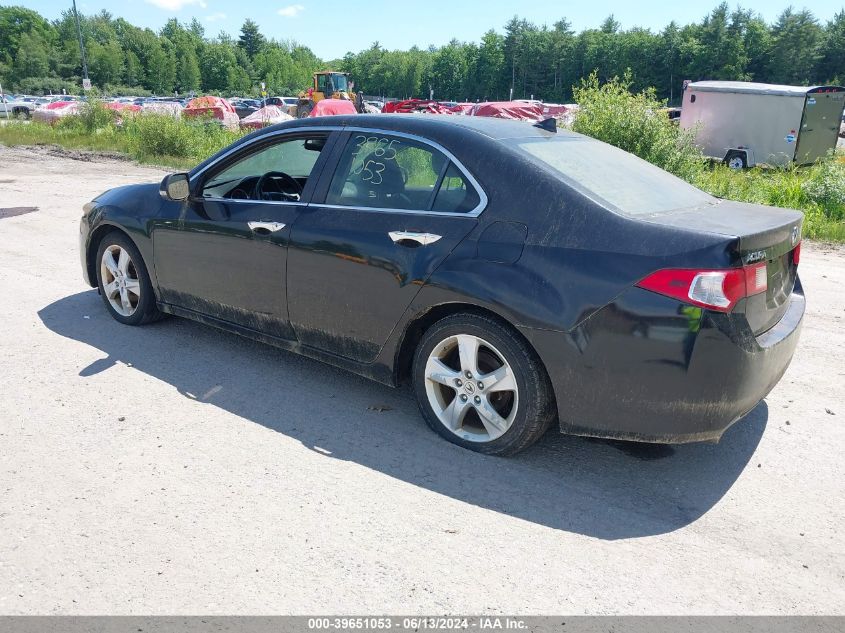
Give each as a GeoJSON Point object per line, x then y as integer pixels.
{"type": "Point", "coordinates": [265, 227]}
{"type": "Point", "coordinates": [422, 239]}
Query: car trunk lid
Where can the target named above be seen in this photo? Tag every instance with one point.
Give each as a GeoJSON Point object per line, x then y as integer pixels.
{"type": "Point", "coordinates": [756, 234]}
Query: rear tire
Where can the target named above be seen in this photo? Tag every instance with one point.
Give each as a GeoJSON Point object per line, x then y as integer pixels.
{"type": "Point", "coordinates": [124, 282]}
{"type": "Point", "coordinates": [479, 385]}
{"type": "Point", "coordinates": [736, 160]}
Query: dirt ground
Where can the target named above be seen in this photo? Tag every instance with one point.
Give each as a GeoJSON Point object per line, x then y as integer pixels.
{"type": "Point", "coordinates": [173, 469]}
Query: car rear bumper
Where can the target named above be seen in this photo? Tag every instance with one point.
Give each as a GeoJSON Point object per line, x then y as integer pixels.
{"type": "Point", "coordinates": [649, 368]}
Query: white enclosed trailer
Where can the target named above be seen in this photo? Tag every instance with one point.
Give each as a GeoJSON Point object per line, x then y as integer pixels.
{"type": "Point", "coordinates": [744, 123]}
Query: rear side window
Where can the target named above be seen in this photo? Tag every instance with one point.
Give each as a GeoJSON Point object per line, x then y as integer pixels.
{"type": "Point", "coordinates": [631, 185]}
{"type": "Point", "coordinates": [455, 195]}
{"type": "Point", "coordinates": [389, 172]}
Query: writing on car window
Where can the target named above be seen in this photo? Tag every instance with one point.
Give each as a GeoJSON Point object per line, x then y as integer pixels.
{"type": "Point", "coordinates": [383, 171]}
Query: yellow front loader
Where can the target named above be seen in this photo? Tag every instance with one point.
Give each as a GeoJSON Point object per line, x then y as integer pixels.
{"type": "Point", "coordinates": [328, 85]}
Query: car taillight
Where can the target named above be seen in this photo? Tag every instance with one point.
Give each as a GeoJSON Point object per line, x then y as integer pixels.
{"type": "Point", "coordinates": [713, 289]}
{"type": "Point", "coordinates": [796, 254]}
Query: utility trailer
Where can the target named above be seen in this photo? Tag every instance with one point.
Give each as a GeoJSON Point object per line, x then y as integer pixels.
{"type": "Point", "coordinates": [744, 124]}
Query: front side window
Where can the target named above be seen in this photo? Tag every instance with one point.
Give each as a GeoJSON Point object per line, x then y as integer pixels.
{"type": "Point", "coordinates": [389, 172]}
{"type": "Point", "coordinates": [276, 172]}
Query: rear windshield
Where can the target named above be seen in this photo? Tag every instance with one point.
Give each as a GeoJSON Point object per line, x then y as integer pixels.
{"type": "Point", "coordinates": [629, 184]}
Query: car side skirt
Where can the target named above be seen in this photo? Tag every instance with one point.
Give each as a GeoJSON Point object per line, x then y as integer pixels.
{"type": "Point", "coordinates": [374, 371]}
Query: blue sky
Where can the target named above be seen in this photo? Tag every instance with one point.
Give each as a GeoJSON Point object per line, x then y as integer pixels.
{"type": "Point", "coordinates": [332, 27]}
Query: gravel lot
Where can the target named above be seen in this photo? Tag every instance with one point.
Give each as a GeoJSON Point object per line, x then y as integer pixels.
{"type": "Point", "coordinates": [174, 469]}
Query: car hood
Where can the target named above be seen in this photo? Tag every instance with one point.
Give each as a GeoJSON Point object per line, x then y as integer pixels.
{"type": "Point", "coordinates": [139, 200]}
{"type": "Point", "coordinates": [126, 193]}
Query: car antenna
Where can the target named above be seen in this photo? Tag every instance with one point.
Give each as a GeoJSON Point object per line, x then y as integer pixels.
{"type": "Point", "coordinates": [550, 125]}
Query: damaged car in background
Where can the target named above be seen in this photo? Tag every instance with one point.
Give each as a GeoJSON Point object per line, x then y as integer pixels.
{"type": "Point", "coordinates": [518, 276]}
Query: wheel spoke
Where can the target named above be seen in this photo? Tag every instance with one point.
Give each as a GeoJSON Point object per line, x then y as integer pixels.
{"type": "Point", "coordinates": [500, 380]}
{"type": "Point", "coordinates": [436, 370]}
{"type": "Point", "coordinates": [134, 286]}
{"type": "Point", "coordinates": [123, 261]}
{"type": "Point", "coordinates": [468, 351]}
{"type": "Point", "coordinates": [110, 288]}
{"type": "Point", "coordinates": [124, 300]}
{"type": "Point", "coordinates": [455, 413]}
{"type": "Point", "coordinates": [493, 423]}
{"type": "Point", "coordinates": [109, 263]}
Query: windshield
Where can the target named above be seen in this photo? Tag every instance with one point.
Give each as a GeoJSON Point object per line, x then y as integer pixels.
{"type": "Point", "coordinates": [340, 82]}
{"type": "Point", "coordinates": [332, 82]}
{"type": "Point", "coordinates": [629, 184]}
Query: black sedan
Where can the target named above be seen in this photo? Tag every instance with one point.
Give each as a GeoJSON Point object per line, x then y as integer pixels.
{"type": "Point", "coordinates": [245, 107]}
{"type": "Point", "coordinates": [518, 277]}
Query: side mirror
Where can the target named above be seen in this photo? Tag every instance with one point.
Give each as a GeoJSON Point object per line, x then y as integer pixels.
{"type": "Point", "coordinates": [315, 144]}
{"type": "Point", "coordinates": [175, 187]}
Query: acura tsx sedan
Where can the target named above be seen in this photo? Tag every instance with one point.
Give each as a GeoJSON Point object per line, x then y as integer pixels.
{"type": "Point", "coordinates": [518, 276]}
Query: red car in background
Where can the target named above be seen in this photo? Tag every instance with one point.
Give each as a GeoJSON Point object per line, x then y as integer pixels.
{"type": "Point", "coordinates": [215, 107]}
{"type": "Point", "coordinates": [52, 112]}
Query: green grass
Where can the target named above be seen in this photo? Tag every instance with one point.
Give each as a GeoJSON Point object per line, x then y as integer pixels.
{"type": "Point", "coordinates": [109, 141]}
{"type": "Point", "coordinates": [818, 191]}
{"type": "Point", "coordinates": [148, 138]}
{"type": "Point", "coordinates": [19, 133]}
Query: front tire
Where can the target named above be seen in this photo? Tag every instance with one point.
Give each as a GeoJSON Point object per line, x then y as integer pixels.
{"type": "Point", "coordinates": [124, 282]}
{"type": "Point", "coordinates": [479, 385]}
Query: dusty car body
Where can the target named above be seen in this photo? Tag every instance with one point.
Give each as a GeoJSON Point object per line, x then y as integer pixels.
{"type": "Point", "coordinates": [640, 309]}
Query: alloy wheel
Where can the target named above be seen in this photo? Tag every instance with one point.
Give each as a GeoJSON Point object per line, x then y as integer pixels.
{"type": "Point", "coordinates": [121, 285]}
{"type": "Point", "coordinates": [471, 388]}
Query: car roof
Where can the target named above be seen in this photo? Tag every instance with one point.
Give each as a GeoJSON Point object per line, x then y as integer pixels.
{"type": "Point", "coordinates": [430, 124]}
{"type": "Point", "coordinates": [439, 128]}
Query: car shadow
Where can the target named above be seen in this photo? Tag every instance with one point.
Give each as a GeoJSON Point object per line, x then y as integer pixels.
{"type": "Point", "coordinates": [599, 488]}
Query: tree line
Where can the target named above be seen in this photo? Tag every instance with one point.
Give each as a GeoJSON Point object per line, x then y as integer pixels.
{"type": "Point", "coordinates": [525, 60]}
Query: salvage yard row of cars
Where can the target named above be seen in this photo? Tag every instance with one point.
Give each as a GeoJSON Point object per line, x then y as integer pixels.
{"type": "Point", "coordinates": [248, 113]}
{"type": "Point", "coordinates": [257, 113]}
{"type": "Point", "coordinates": [22, 106]}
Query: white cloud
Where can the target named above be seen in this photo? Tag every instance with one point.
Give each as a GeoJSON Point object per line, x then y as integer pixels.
{"type": "Point", "coordinates": [176, 5]}
{"type": "Point", "coordinates": [291, 11]}
{"type": "Point", "coordinates": [214, 17]}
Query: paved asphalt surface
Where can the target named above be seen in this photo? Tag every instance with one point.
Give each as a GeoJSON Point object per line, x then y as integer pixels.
{"type": "Point", "coordinates": [174, 469]}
